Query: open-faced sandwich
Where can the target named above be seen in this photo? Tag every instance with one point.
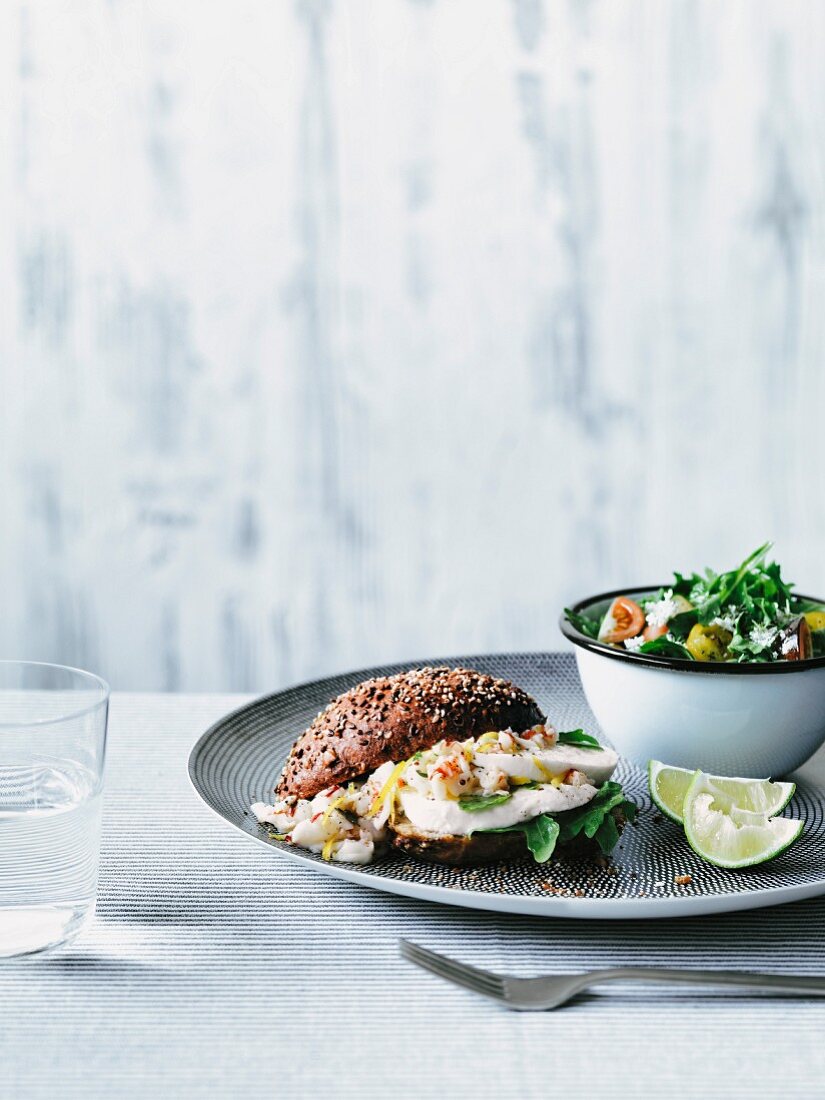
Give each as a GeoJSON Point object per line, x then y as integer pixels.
{"type": "Point", "coordinates": [448, 765]}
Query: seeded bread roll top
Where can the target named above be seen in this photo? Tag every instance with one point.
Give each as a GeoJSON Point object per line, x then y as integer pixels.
{"type": "Point", "coordinates": [391, 717]}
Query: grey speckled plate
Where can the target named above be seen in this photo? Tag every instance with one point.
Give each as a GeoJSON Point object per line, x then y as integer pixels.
{"type": "Point", "coordinates": [235, 763]}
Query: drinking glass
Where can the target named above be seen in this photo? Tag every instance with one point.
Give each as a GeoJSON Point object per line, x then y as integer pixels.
{"type": "Point", "coordinates": [52, 754]}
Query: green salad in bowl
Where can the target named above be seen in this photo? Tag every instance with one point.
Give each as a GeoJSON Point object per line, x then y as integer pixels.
{"type": "Point", "coordinates": [746, 615]}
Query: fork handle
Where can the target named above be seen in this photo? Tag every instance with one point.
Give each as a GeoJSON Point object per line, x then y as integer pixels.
{"type": "Point", "coordinates": [775, 983]}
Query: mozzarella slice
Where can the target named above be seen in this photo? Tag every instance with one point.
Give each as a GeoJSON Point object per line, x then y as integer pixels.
{"type": "Point", "coordinates": [597, 764]}
{"type": "Point", "coordinates": [438, 817]}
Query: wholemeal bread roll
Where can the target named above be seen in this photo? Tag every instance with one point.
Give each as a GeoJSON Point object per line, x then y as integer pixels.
{"type": "Point", "coordinates": [391, 717]}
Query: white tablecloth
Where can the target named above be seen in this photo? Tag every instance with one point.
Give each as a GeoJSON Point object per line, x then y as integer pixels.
{"type": "Point", "coordinates": [217, 969]}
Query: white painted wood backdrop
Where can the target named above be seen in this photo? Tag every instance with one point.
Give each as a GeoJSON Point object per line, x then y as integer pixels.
{"type": "Point", "coordinates": [338, 332]}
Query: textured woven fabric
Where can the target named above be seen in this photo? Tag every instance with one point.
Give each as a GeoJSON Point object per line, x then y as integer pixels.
{"type": "Point", "coordinates": [217, 968]}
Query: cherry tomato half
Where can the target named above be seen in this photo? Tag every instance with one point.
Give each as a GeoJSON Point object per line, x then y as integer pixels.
{"type": "Point", "coordinates": [651, 632]}
{"type": "Point", "coordinates": [624, 619]}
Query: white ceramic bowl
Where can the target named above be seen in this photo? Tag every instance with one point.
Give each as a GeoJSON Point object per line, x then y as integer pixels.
{"type": "Point", "coordinates": [753, 720]}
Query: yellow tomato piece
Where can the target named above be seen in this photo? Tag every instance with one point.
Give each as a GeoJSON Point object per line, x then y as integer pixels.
{"type": "Point", "coordinates": [815, 619]}
{"type": "Point", "coordinates": [708, 643]}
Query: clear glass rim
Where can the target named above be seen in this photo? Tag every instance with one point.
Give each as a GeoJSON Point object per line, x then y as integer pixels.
{"type": "Point", "coordinates": [93, 680]}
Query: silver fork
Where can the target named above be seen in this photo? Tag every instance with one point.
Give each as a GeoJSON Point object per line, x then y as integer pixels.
{"type": "Point", "coordinates": [532, 994]}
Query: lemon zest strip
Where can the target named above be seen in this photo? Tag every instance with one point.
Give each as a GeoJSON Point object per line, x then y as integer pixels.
{"type": "Point", "coordinates": [387, 789]}
{"type": "Point", "coordinates": [334, 806]}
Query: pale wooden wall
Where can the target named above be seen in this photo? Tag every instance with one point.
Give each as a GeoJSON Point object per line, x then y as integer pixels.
{"type": "Point", "coordinates": [340, 332]}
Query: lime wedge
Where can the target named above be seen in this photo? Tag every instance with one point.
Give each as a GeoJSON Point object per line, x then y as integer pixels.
{"type": "Point", "coordinates": [668, 787]}
{"type": "Point", "coordinates": [732, 836]}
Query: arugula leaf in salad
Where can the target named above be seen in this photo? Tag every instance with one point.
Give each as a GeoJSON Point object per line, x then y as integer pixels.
{"type": "Point", "coordinates": [587, 626]}
{"type": "Point", "coordinates": [666, 647]}
{"type": "Point", "coordinates": [747, 614]}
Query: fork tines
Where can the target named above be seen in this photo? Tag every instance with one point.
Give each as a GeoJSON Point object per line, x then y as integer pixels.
{"type": "Point", "coordinates": [479, 981]}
